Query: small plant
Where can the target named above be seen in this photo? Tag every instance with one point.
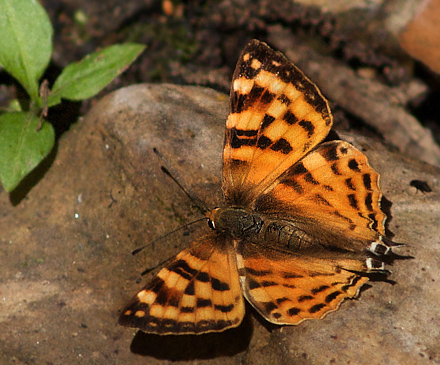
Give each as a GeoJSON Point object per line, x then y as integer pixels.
{"type": "Point", "coordinates": [26, 138]}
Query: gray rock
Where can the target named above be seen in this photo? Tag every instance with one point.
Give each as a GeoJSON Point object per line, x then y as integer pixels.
{"type": "Point", "coordinates": [67, 268]}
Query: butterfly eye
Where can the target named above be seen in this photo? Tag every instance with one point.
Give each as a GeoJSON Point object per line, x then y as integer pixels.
{"type": "Point", "coordinates": [211, 224]}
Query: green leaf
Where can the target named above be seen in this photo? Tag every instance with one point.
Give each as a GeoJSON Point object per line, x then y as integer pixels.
{"type": "Point", "coordinates": [22, 147]}
{"type": "Point", "coordinates": [25, 42]}
{"type": "Point", "coordinates": [86, 78]}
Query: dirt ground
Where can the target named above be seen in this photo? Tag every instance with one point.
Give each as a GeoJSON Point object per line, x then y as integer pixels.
{"type": "Point", "coordinates": [197, 43]}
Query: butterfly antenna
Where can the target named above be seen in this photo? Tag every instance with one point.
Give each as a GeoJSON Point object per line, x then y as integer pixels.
{"type": "Point", "coordinates": [179, 181]}
{"type": "Point", "coordinates": [136, 251]}
{"type": "Point", "coordinates": [160, 264]}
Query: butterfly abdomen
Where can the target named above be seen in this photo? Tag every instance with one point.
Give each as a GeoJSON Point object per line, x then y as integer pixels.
{"type": "Point", "coordinates": [285, 235]}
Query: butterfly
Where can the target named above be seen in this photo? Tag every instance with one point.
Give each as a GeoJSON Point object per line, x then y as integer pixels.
{"type": "Point", "coordinates": [301, 229]}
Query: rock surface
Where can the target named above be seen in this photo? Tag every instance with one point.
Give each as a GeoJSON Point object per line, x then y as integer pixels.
{"type": "Point", "coordinates": [66, 245]}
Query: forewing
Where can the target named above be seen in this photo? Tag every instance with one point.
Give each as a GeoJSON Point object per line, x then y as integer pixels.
{"type": "Point", "coordinates": [287, 289]}
{"type": "Point", "coordinates": [277, 115]}
{"type": "Point", "coordinates": [333, 195]}
{"type": "Point", "coordinates": [198, 292]}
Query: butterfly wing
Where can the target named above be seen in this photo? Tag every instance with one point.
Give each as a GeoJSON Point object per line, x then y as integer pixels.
{"type": "Point", "coordinates": [287, 289]}
{"type": "Point", "coordinates": [332, 195]}
{"type": "Point", "coordinates": [277, 115]}
{"type": "Point", "coordinates": [198, 292]}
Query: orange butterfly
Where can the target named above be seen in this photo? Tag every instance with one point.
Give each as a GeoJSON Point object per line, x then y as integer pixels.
{"type": "Point", "coordinates": [302, 227]}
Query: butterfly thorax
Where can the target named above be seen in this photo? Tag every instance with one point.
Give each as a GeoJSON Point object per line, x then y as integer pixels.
{"type": "Point", "coordinates": [241, 223]}
{"type": "Point", "coordinates": [236, 222]}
